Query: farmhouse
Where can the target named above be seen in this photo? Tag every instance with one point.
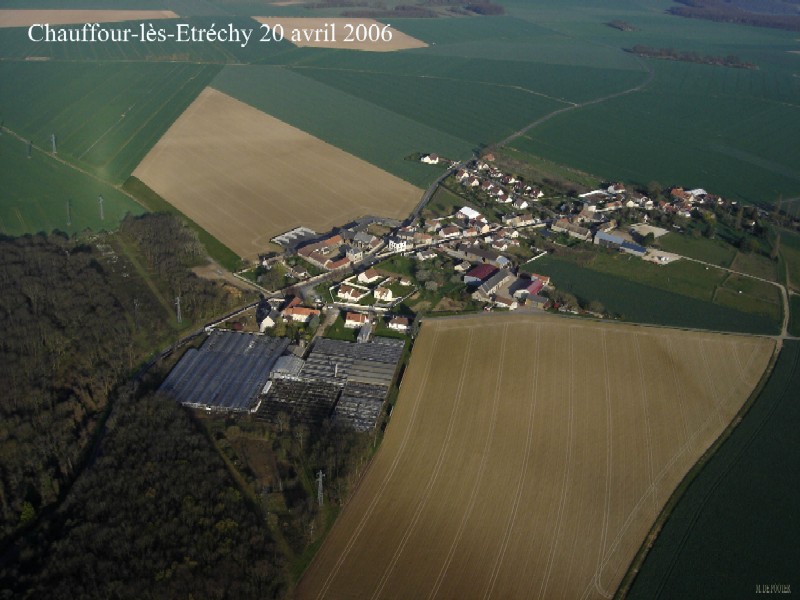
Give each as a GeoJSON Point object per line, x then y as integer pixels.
{"type": "Point", "coordinates": [430, 159]}
{"type": "Point", "coordinates": [491, 285]}
{"type": "Point", "coordinates": [571, 229]}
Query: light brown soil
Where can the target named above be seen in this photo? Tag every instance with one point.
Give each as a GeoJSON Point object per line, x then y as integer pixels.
{"type": "Point", "coordinates": [339, 27]}
{"type": "Point", "coordinates": [245, 176]}
{"type": "Point", "coordinates": [528, 456]}
{"type": "Point", "coordinates": [25, 18]}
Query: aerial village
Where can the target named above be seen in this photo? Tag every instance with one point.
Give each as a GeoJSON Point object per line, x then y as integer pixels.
{"type": "Point", "coordinates": [328, 335]}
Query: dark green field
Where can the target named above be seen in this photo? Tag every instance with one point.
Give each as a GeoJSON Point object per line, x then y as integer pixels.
{"type": "Point", "coordinates": [794, 308]}
{"type": "Point", "coordinates": [736, 526]}
{"type": "Point", "coordinates": [642, 303]}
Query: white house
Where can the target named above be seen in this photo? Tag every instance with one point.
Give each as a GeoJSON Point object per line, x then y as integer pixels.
{"type": "Point", "coordinates": [354, 320]}
{"type": "Point", "coordinates": [430, 159]}
{"type": "Point", "coordinates": [465, 212]}
{"type": "Point", "coordinates": [399, 324]}
{"type": "Point", "coordinates": [384, 294]}
{"type": "Point", "coordinates": [397, 245]}
{"type": "Point", "coordinates": [369, 276]}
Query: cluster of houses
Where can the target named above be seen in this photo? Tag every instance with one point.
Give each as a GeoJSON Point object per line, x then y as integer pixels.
{"type": "Point", "coordinates": [501, 288]}
{"type": "Point", "coordinates": [501, 187]}
{"type": "Point", "coordinates": [386, 291]}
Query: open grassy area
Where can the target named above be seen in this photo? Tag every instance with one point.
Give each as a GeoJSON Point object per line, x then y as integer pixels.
{"type": "Point", "coordinates": [756, 264]}
{"type": "Point", "coordinates": [639, 302]}
{"type": "Point", "coordinates": [736, 524]}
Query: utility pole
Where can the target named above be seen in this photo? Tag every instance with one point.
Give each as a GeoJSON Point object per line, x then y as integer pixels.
{"type": "Point", "coordinates": [69, 213]}
{"type": "Point", "coordinates": [320, 477]}
{"type": "Point", "coordinates": [178, 304]}
{"type": "Point", "coordinates": [100, 202]}
{"type": "Point", "coordinates": [53, 141]}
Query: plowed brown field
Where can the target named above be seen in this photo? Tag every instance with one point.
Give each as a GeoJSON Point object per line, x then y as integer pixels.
{"type": "Point", "coordinates": [528, 457]}
{"type": "Point", "coordinates": [245, 176]}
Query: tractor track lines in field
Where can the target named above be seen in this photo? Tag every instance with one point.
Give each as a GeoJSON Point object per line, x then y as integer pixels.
{"type": "Point", "coordinates": [648, 429]}
{"type": "Point", "coordinates": [566, 473]}
{"type": "Point", "coordinates": [609, 462]}
{"type": "Point", "coordinates": [434, 475]}
{"type": "Point", "coordinates": [538, 508]}
{"type": "Point", "coordinates": [499, 559]}
{"type": "Point", "coordinates": [384, 483]}
{"type": "Point", "coordinates": [481, 469]}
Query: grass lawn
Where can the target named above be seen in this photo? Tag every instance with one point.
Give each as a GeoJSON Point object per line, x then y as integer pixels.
{"type": "Point", "coordinates": [756, 264]}
{"type": "Point", "coordinates": [715, 252]}
{"type": "Point", "coordinates": [337, 331]}
{"type": "Point", "coordinates": [399, 265]}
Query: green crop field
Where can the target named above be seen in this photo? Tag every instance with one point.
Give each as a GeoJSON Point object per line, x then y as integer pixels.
{"type": "Point", "coordinates": [736, 525]}
{"type": "Point", "coordinates": [724, 129]}
{"type": "Point", "coordinates": [639, 302]}
{"type": "Point", "coordinates": [461, 108]}
{"type": "Point", "coordinates": [37, 190]}
{"type": "Point", "coordinates": [106, 116]}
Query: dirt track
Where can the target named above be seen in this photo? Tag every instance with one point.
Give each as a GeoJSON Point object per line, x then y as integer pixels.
{"type": "Point", "coordinates": [245, 176]}
{"type": "Point", "coordinates": [528, 456]}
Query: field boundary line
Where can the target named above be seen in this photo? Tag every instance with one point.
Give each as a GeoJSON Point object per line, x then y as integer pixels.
{"type": "Point", "coordinates": [566, 475]}
{"type": "Point", "coordinates": [499, 559]}
{"type": "Point", "coordinates": [481, 469]}
{"type": "Point", "coordinates": [379, 494]}
{"type": "Point", "coordinates": [682, 487]}
{"type": "Point", "coordinates": [426, 494]}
